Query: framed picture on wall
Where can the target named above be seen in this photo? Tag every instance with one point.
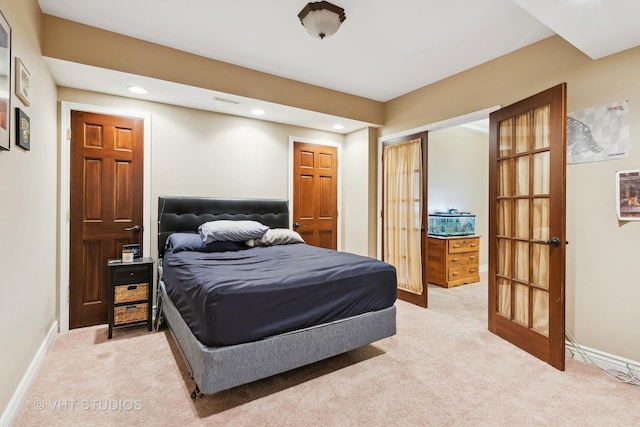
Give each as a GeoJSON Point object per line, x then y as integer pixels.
{"type": "Point", "coordinates": [23, 130]}
{"type": "Point", "coordinates": [22, 82]}
{"type": "Point", "coordinates": [628, 195]}
{"type": "Point", "coordinates": [5, 83]}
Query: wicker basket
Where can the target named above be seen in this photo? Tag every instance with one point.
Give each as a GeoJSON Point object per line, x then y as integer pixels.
{"type": "Point", "coordinates": [130, 313]}
{"type": "Point", "coordinates": [129, 293]}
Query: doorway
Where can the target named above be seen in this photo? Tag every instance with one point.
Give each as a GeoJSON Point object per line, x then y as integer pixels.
{"type": "Point", "coordinates": [106, 178]}
{"type": "Point", "coordinates": [458, 175]}
{"type": "Point", "coordinates": [315, 194]}
{"type": "Point", "coordinates": [64, 194]}
{"type": "Point", "coordinates": [433, 131]}
{"type": "Point", "coordinates": [527, 224]}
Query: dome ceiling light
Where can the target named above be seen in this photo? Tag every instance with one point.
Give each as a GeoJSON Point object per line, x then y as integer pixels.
{"type": "Point", "coordinates": [322, 19]}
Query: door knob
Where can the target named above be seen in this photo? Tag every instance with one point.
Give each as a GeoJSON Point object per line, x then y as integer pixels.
{"type": "Point", "coordinates": [135, 229]}
{"type": "Point", "coordinates": [296, 224]}
{"type": "Point", "coordinates": [555, 242]}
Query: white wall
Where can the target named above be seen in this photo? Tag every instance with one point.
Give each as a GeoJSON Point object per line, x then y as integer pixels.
{"type": "Point", "coordinates": [199, 153]}
{"type": "Point", "coordinates": [458, 167]}
{"type": "Point", "coordinates": [28, 211]}
{"type": "Point", "coordinates": [355, 195]}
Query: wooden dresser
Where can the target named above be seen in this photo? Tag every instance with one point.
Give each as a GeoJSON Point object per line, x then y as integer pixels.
{"type": "Point", "coordinates": [453, 261]}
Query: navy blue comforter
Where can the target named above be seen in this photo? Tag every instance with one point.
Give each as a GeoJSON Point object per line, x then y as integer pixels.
{"type": "Point", "coordinates": [241, 296]}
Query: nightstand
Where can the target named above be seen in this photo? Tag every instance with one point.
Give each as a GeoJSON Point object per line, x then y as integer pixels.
{"type": "Point", "coordinates": [130, 292]}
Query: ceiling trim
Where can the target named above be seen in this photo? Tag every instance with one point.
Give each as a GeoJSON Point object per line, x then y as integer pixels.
{"type": "Point", "coordinates": [79, 43]}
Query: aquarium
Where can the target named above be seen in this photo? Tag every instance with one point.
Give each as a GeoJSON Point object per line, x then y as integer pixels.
{"type": "Point", "coordinates": [452, 224]}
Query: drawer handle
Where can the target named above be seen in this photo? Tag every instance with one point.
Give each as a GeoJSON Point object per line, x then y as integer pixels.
{"type": "Point", "coordinates": [456, 246]}
{"type": "Point", "coordinates": [472, 257]}
{"type": "Point", "coordinates": [472, 270]}
{"type": "Point", "coordinates": [132, 287]}
{"type": "Point", "coordinates": [454, 259]}
{"type": "Point", "coordinates": [131, 308]}
{"type": "Point", "coordinates": [131, 274]}
{"type": "Point", "coordinates": [454, 274]}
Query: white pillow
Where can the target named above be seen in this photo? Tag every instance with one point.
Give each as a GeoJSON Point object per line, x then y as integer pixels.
{"type": "Point", "coordinates": [233, 231]}
{"type": "Point", "coordinates": [278, 236]}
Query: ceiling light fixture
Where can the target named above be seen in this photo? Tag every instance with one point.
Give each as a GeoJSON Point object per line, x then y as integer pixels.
{"type": "Point", "coordinates": [321, 19]}
{"type": "Point", "coordinates": [338, 127]}
{"type": "Point", "coordinates": [137, 89]}
{"type": "Point", "coordinates": [227, 100]}
{"type": "Point", "coordinates": [257, 111]}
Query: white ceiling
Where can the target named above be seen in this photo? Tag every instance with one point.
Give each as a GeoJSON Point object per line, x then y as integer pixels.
{"type": "Point", "coordinates": [384, 48]}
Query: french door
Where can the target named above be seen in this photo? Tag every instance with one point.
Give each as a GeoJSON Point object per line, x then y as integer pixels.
{"type": "Point", "coordinates": [527, 224]}
{"type": "Point", "coordinates": [404, 196]}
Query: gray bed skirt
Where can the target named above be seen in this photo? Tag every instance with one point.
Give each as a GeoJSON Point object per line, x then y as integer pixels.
{"type": "Point", "coordinates": [221, 368]}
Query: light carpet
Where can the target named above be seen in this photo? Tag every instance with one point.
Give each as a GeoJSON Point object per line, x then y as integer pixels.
{"type": "Point", "coordinates": [443, 368]}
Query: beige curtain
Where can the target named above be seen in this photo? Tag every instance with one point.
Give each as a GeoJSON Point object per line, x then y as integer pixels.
{"type": "Point", "coordinates": [403, 213]}
{"type": "Point", "coordinates": [541, 220]}
{"type": "Point", "coordinates": [531, 133]}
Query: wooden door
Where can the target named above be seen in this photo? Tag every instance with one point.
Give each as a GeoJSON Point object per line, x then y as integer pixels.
{"type": "Point", "coordinates": [315, 194]}
{"type": "Point", "coordinates": [404, 214]}
{"type": "Point", "coordinates": [106, 193]}
{"type": "Point", "coordinates": [527, 224]}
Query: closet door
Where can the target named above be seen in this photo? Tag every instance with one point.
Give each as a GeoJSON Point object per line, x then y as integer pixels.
{"type": "Point", "coordinates": [315, 193]}
{"type": "Point", "coordinates": [106, 207]}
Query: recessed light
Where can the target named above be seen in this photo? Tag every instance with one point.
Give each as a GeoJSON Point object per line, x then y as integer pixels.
{"type": "Point", "coordinates": [338, 127]}
{"type": "Point", "coordinates": [257, 111]}
{"type": "Point", "coordinates": [137, 89]}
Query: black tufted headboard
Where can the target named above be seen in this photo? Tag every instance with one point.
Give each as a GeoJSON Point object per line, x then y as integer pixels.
{"type": "Point", "coordinates": [185, 214]}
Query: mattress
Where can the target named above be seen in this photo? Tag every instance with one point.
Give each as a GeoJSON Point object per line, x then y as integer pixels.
{"type": "Point", "coordinates": [234, 297]}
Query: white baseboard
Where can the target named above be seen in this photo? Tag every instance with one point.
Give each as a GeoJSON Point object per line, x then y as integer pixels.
{"type": "Point", "coordinates": [599, 358]}
{"type": "Point", "coordinates": [16, 400]}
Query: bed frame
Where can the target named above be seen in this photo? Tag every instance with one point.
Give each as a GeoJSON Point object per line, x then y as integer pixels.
{"type": "Point", "coordinates": [218, 368]}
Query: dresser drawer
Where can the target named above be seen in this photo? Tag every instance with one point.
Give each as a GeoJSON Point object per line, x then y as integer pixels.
{"type": "Point", "coordinates": [132, 275]}
{"type": "Point", "coordinates": [462, 245]}
{"type": "Point", "coordinates": [130, 313]}
{"type": "Point", "coordinates": [460, 273]}
{"type": "Point", "coordinates": [464, 259]}
{"type": "Point", "coordinates": [130, 293]}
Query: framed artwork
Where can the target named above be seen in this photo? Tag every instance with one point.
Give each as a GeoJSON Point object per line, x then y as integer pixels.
{"type": "Point", "coordinates": [627, 195]}
{"type": "Point", "coordinates": [23, 130]}
{"type": "Point", "coordinates": [5, 83]}
{"type": "Point", "coordinates": [22, 82]}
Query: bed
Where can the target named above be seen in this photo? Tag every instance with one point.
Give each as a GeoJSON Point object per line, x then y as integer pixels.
{"type": "Point", "coordinates": [248, 313]}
